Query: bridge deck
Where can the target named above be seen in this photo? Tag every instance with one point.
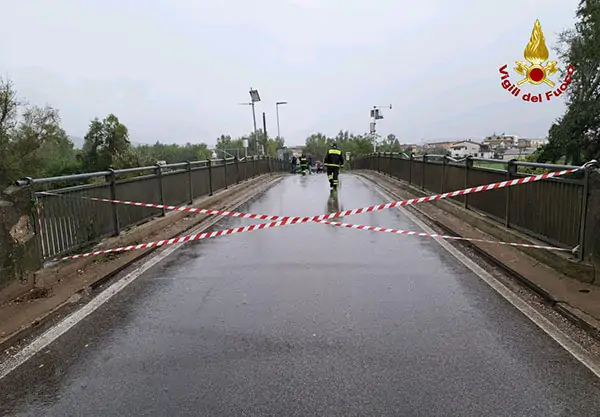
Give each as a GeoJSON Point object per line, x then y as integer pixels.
{"type": "Point", "coordinates": [305, 320]}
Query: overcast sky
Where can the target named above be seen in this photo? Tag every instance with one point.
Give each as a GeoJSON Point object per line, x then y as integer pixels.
{"type": "Point", "coordinates": [175, 70]}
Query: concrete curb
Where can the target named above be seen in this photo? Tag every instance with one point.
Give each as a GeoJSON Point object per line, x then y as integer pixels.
{"type": "Point", "coordinates": [580, 318]}
{"type": "Point", "coordinates": [257, 186]}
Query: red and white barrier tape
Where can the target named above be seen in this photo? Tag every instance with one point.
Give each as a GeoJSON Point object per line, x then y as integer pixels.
{"type": "Point", "coordinates": [435, 235]}
{"type": "Point", "coordinates": [286, 220]}
{"type": "Point", "coordinates": [182, 239]}
{"type": "Point", "coordinates": [472, 190]}
{"type": "Point", "coordinates": [250, 228]}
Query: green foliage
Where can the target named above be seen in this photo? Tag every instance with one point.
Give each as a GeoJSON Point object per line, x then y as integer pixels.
{"type": "Point", "coordinates": [33, 144]}
{"type": "Point", "coordinates": [172, 154]}
{"type": "Point", "coordinates": [107, 145]}
{"type": "Point", "coordinates": [575, 136]}
{"type": "Point", "coordinates": [318, 143]}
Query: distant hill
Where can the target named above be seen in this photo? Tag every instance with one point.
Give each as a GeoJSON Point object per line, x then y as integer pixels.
{"type": "Point", "coordinates": [78, 142]}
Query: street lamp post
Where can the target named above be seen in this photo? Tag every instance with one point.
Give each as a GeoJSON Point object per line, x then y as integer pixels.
{"type": "Point", "coordinates": [277, 111]}
{"type": "Point", "coordinates": [254, 98]}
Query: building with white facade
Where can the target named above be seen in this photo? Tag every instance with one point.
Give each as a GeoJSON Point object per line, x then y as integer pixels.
{"type": "Point", "coordinates": [469, 148]}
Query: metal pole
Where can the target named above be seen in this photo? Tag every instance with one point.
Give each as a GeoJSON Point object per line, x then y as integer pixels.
{"type": "Point", "coordinates": [264, 131]}
{"type": "Point", "coordinates": [277, 111]}
{"type": "Point", "coordinates": [255, 136]}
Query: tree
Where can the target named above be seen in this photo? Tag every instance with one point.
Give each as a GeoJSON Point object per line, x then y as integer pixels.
{"type": "Point", "coordinates": [575, 136]}
{"type": "Point", "coordinates": [389, 144]}
{"type": "Point", "coordinates": [107, 145]}
{"type": "Point", "coordinates": [32, 144]}
{"type": "Point", "coordinates": [317, 145]}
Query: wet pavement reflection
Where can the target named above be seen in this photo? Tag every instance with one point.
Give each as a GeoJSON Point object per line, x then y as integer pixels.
{"type": "Point", "coordinates": [305, 320]}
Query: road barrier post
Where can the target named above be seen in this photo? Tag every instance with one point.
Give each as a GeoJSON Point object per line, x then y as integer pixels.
{"type": "Point", "coordinates": [237, 170]}
{"type": "Point", "coordinates": [410, 167]}
{"type": "Point", "coordinates": [159, 176]}
{"type": "Point", "coordinates": [112, 180]}
{"type": "Point", "coordinates": [225, 171]}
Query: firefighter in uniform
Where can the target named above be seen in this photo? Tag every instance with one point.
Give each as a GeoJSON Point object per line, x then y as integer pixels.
{"type": "Point", "coordinates": [303, 163]}
{"type": "Point", "coordinates": [333, 162]}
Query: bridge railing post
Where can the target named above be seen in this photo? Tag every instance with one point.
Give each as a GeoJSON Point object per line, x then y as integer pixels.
{"type": "Point", "coordinates": [225, 171]}
{"type": "Point", "coordinates": [112, 180]}
{"type": "Point", "coordinates": [584, 213]}
{"type": "Point", "coordinates": [468, 166]}
{"type": "Point", "coordinates": [37, 223]}
{"type": "Point", "coordinates": [210, 181]}
{"type": "Point", "coordinates": [390, 162]}
{"type": "Point", "coordinates": [423, 171]}
{"type": "Point", "coordinates": [237, 170]}
{"type": "Point", "coordinates": [159, 177]}
{"type": "Point", "coordinates": [444, 164]}
{"type": "Point", "coordinates": [411, 161]}
{"type": "Point", "coordinates": [190, 183]}
{"type": "Point", "coordinates": [511, 172]}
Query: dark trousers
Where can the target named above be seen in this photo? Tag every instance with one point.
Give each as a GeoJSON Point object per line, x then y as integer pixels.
{"type": "Point", "coordinates": [332, 174]}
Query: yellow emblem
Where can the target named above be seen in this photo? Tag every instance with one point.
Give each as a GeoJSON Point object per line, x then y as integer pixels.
{"type": "Point", "coordinates": [536, 53]}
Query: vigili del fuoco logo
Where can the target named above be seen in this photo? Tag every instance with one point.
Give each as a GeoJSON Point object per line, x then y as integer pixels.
{"type": "Point", "coordinates": [536, 70]}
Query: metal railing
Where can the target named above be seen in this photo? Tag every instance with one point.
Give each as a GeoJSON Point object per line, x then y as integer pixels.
{"type": "Point", "coordinates": [66, 222]}
{"type": "Point", "coordinates": [553, 210]}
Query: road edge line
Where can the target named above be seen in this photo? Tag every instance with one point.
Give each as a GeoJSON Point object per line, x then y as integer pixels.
{"type": "Point", "coordinates": [148, 261]}
{"type": "Point", "coordinates": [559, 336]}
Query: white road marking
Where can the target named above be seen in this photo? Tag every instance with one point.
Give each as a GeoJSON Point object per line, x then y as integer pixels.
{"type": "Point", "coordinates": [574, 348]}
{"type": "Point", "coordinates": [64, 326]}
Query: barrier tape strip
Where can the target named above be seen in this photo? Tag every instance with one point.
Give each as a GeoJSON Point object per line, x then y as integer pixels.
{"type": "Point", "coordinates": [252, 227]}
{"type": "Point", "coordinates": [182, 239]}
{"type": "Point", "coordinates": [471, 190]}
{"type": "Point", "coordinates": [435, 235]}
{"type": "Point", "coordinates": [285, 220]}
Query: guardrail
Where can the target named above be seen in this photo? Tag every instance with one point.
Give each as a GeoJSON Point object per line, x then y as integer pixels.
{"type": "Point", "coordinates": [553, 211]}
{"type": "Point", "coordinates": [68, 222]}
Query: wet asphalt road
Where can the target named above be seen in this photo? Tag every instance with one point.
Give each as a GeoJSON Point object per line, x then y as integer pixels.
{"type": "Point", "coordinates": [305, 320]}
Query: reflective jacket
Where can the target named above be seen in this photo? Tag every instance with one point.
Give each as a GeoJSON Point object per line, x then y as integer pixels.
{"type": "Point", "coordinates": [333, 158]}
{"type": "Point", "coordinates": [303, 160]}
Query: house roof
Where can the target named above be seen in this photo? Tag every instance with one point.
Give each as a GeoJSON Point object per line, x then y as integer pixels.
{"type": "Point", "coordinates": [465, 141]}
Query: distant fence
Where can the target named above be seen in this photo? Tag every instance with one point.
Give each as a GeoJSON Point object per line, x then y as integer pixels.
{"type": "Point", "coordinates": [68, 222]}
{"type": "Point", "coordinates": [553, 210]}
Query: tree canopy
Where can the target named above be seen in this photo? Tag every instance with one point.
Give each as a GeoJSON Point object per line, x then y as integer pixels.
{"type": "Point", "coordinates": [574, 137]}
{"type": "Point", "coordinates": [33, 143]}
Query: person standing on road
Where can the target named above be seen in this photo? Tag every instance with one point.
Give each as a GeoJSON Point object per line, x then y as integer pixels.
{"type": "Point", "coordinates": [303, 163]}
{"type": "Point", "coordinates": [294, 164]}
{"type": "Point", "coordinates": [309, 162]}
{"type": "Point", "coordinates": [333, 162]}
